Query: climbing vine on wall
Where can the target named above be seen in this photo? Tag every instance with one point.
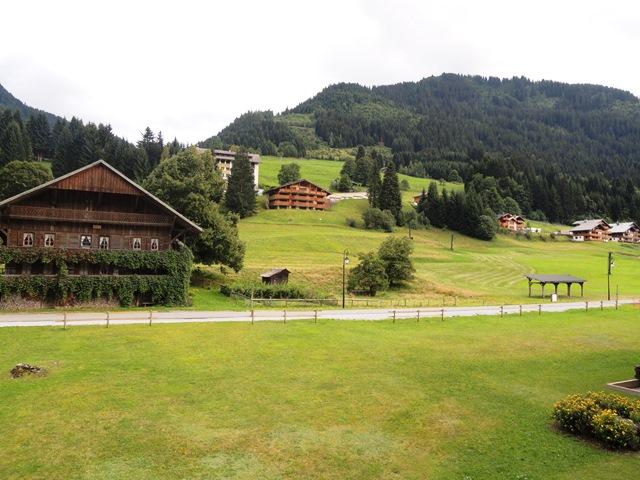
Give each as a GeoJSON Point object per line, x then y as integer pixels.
{"type": "Point", "coordinates": [167, 285]}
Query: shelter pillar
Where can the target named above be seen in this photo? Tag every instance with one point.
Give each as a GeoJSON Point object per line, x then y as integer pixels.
{"type": "Point", "coordinates": [568, 290]}
{"type": "Point", "coordinates": [582, 289]}
{"type": "Point", "coordinates": [556, 287]}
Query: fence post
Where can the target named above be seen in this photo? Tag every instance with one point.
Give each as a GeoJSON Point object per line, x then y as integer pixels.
{"type": "Point", "coordinates": [601, 305]}
{"type": "Point", "coordinates": [586, 306]}
{"type": "Point", "coordinates": [520, 310]}
{"type": "Point", "coordinates": [501, 310]}
{"type": "Point", "coordinates": [394, 316]}
{"type": "Point", "coordinates": [539, 309]}
{"type": "Point", "coordinates": [418, 316]}
{"type": "Point", "coordinates": [150, 316]}
{"type": "Point", "coordinates": [315, 316]}
{"type": "Point", "coordinates": [442, 314]}
{"type": "Point", "coordinates": [107, 319]}
{"type": "Point", "coordinates": [284, 318]}
{"type": "Point", "coordinates": [252, 315]}
{"type": "Point", "coordinates": [64, 320]}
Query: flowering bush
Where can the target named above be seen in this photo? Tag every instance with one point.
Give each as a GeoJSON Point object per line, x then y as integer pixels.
{"type": "Point", "coordinates": [611, 419]}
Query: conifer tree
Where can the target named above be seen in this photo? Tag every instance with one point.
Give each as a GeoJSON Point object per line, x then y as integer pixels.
{"type": "Point", "coordinates": [374, 186]}
{"type": "Point", "coordinates": [12, 145]}
{"type": "Point", "coordinates": [40, 135]}
{"type": "Point", "coordinates": [390, 197]}
{"type": "Point", "coordinates": [240, 196]}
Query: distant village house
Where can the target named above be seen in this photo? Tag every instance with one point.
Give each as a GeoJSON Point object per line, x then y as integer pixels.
{"type": "Point", "coordinates": [225, 159]}
{"type": "Point", "coordinates": [625, 232]}
{"type": "Point", "coordinates": [300, 194]}
{"type": "Point", "coordinates": [590, 230]}
{"type": "Point", "coordinates": [512, 222]}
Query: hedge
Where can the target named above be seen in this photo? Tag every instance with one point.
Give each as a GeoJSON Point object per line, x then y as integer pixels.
{"type": "Point", "coordinates": [608, 418]}
{"type": "Point", "coordinates": [169, 288]}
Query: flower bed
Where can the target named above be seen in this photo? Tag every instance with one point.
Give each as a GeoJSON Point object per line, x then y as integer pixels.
{"type": "Point", "coordinates": [612, 420]}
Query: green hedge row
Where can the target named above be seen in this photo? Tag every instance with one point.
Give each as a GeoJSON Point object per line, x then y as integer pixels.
{"type": "Point", "coordinates": [263, 290]}
{"type": "Point", "coordinates": [170, 288]}
{"type": "Point", "coordinates": [611, 419]}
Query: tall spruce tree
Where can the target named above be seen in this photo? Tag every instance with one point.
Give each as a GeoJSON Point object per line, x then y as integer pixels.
{"type": "Point", "coordinates": [240, 196]}
{"type": "Point", "coordinates": [390, 196]}
{"type": "Point", "coordinates": [374, 186]}
{"type": "Point", "coordinates": [12, 144]}
{"type": "Point", "coordinates": [40, 135]}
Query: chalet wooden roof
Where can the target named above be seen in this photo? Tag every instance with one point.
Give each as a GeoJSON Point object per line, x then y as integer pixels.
{"type": "Point", "coordinates": [273, 272]}
{"type": "Point", "coordinates": [588, 225]}
{"type": "Point", "coordinates": [623, 227]}
{"type": "Point", "coordinates": [109, 180]}
{"type": "Point", "coordinates": [302, 180]}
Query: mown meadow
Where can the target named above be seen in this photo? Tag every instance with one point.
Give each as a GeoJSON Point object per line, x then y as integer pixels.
{"type": "Point", "coordinates": [466, 398]}
{"type": "Point", "coordinates": [311, 244]}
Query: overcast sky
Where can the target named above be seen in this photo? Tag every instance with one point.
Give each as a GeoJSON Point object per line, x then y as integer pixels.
{"type": "Point", "coordinates": [189, 68]}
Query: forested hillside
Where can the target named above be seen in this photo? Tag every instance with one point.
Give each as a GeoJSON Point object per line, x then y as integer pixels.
{"type": "Point", "coordinates": [561, 151]}
{"type": "Point", "coordinates": [27, 133]}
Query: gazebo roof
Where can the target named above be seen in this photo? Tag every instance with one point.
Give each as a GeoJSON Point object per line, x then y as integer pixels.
{"type": "Point", "coordinates": [555, 278]}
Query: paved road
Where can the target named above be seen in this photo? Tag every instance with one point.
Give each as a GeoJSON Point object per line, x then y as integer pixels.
{"type": "Point", "coordinates": [186, 316]}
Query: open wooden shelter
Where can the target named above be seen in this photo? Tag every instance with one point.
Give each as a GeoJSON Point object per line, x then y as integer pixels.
{"type": "Point", "coordinates": [555, 280]}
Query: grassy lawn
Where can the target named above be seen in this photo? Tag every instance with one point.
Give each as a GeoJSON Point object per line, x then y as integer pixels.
{"type": "Point", "coordinates": [467, 398]}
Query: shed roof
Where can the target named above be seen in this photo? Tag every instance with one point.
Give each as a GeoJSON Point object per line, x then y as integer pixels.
{"type": "Point", "coordinates": [273, 272]}
{"type": "Point", "coordinates": [555, 278]}
{"type": "Point", "coordinates": [101, 163]}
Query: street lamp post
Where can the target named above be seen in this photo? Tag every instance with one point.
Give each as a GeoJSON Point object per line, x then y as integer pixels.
{"type": "Point", "coordinates": [610, 265]}
{"type": "Point", "coordinates": [345, 262]}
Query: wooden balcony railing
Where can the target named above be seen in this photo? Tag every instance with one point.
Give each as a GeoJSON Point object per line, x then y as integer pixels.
{"type": "Point", "coordinates": [89, 216]}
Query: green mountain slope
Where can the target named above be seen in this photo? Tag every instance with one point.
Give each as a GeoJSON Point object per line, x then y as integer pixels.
{"type": "Point", "coordinates": [8, 101]}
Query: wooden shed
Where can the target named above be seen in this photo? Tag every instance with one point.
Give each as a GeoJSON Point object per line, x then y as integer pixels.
{"type": "Point", "coordinates": [299, 194]}
{"type": "Point", "coordinates": [276, 276]}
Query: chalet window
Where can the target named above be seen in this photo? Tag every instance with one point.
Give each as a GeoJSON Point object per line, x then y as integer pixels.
{"type": "Point", "coordinates": [104, 243]}
{"type": "Point", "coordinates": [154, 244]}
{"type": "Point", "coordinates": [49, 239]}
{"type": "Point", "coordinates": [137, 244]}
{"type": "Point", "coordinates": [27, 239]}
{"type": "Point", "coordinates": [85, 241]}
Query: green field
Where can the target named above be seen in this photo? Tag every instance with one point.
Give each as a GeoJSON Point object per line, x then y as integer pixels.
{"type": "Point", "coordinates": [460, 399]}
{"type": "Point", "coordinates": [323, 172]}
{"type": "Point", "coordinates": [311, 243]}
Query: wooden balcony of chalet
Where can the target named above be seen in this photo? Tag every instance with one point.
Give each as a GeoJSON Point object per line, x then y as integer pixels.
{"type": "Point", "coordinates": [29, 212]}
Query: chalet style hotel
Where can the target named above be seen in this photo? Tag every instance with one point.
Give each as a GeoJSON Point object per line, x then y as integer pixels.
{"type": "Point", "coordinates": [226, 158]}
{"type": "Point", "coordinates": [93, 208]}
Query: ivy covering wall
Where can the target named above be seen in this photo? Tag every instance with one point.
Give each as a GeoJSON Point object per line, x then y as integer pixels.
{"type": "Point", "coordinates": [167, 285]}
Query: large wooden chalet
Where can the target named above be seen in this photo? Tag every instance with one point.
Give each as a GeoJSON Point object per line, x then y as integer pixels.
{"type": "Point", "coordinates": [590, 230]}
{"type": "Point", "coordinates": [299, 194]}
{"type": "Point", "coordinates": [512, 222]}
{"type": "Point", "coordinates": [94, 207]}
{"type": "Point", "coordinates": [628, 232]}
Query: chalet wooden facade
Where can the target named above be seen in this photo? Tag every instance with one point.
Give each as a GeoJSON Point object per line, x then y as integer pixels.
{"type": "Point", "coordinates": [512, 222]}
{"type": "Point", "coordinates": [590, 231]}
{"type": "Point", "coordinates": [300, 194]}
{"type": "Point", "coordinates": [628, 232]}
{"type": "Point", "coordinates": [93, 208]}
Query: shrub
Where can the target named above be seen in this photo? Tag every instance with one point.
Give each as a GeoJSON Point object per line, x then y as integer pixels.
{"type": "Point", "coordinates": [377, 219]}
{"type": "Point", "coordinates": [395, 254]}
{"type": "Point", "coordinates": [611, 419]}
{"type": "Point", "coordinates": [263, 290]}
{"type": "Point", "coordinates": [352, 222]}
{"type": "Point", "coordinates": [368, 276]}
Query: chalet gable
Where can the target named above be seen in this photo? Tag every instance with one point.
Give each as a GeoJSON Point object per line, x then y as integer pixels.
{"type": "Point", "coordinates": [100, 177]}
